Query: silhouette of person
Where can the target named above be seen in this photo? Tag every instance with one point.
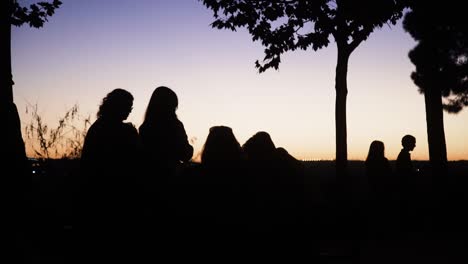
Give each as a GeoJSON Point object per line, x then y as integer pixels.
{"type": "Point", "coordinates": [404, 165]}
{"type": "Point", "coordinates": [109, 162]}
{"type": "Point", "coordinates": [221, 149]}
{"type": "Point", "coordinates": [111, 146]}
{"type": "Point", "coordinates": [406, 174]}
{"type": "Point", "coordinates": [378, 172]}
{"type": "Point", "coordinates": [162, 134]}
{"type": "Point", "coordinates": [165, 147]}
{"type": "Point", "coordinates": [222, 164]}
{"type": "Point", "coordinates": [377, 167]}
{"type": "Point", "coordinates": [260, 149]}
{"type": "Point", "coordinates": [276, 187]}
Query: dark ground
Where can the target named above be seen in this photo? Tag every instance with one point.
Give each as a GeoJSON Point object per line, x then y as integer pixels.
{"type": "Point", "coordinates": [338, 225]}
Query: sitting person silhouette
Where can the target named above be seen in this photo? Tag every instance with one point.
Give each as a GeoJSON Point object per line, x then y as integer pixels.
{"type": "Point", "coordinates": [222, 171]}
{"type": "Point", "coordinates": [276, 183]}
{"type": "Point", "coordinates": [221, 149]}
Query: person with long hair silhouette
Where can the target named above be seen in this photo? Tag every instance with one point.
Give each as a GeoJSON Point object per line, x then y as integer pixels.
{"type": "Point", "coordinates": [165, 147]}
{"type": "Point", "coordinates": [162, 134]}
{"type": "Point", "coordinates": [223, 182]}
{"type": "Point", "coordinates": [378, 167]}
{"type": "Point", "coordinates": [109, 170]}
{"type": "Point", "coordinates": [221, 149]}
{"type": "Point", "coordinates": [378, 173]}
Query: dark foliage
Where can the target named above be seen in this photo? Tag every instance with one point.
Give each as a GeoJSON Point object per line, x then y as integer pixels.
{"type": "Point", "coordinates": [441, 56]}
{"type": "Point", "coordinates": [283, 26]}
{"type": "Point", "coordinates": [36, 15]}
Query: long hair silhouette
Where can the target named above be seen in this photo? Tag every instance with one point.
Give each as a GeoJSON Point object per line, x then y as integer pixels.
{"type": "Point", "coordinates": [162, 105]}
{"type": "Point", "coordinates": [221, 147]}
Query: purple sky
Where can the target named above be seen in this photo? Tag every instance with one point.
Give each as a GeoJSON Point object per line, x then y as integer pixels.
{"type": "Point", "coordinates": [90, 47]}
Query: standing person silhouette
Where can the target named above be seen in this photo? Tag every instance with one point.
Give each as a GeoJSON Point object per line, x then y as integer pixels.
{"type": "Point", "coordinates": [108, 163]}
{"type": "Point", "coordinates": [404, 165]}
{"type": "Point", "coordinates": [377, 167]}
{"type": "Point", "coordinates": [378, 172]}
{"type": "Point", "coordinates": [165, 145]}
{"type": "Point", "coordinates": [406, 175]}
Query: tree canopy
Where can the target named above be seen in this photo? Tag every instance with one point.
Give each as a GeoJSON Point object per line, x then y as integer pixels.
{"type": "Point", "coordinates": [441, 56]}
{"type": "Point", "coordinates": [287, 25]}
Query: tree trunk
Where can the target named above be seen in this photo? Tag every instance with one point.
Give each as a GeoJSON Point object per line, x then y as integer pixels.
{"type": "Point", "coordinates": [435, 131]}
{"type": "Point", "coordinates": [13, 162]}
{"type": "Point", "coordinates": [12, 150]}
{"type": "Point", "coordinates": [341, 88]}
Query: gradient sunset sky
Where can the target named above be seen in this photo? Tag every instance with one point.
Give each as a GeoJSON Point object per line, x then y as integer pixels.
{"type": "Point", "coordinates": [90, 47]}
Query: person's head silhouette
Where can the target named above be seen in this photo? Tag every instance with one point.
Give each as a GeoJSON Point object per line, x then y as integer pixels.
{"type": "Point", "coordinates": [163, 103]}
{"type": "Point", "coordinates": [376, 150]}
{"type": "Point", "coordinates": [260, 146]}
{"type": "Point", "coordinates": [117, 105]}
{"type": "Point", "coordinates": [221, 147]}
{"type": "Point", "coordinates": [408, 142]}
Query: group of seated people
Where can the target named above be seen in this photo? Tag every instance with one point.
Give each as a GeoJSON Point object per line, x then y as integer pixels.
{"type": "Point", "coordinates": [147, 174]}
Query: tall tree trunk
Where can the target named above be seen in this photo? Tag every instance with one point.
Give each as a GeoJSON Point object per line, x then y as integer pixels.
{"type": "Point", "coordinates": [13, 161]}
{"type": "Point", "coordinates": [6, 89]}
{"type": "Point", "coordinates": [12, 150]}
{"type": "Point", "coordinates": [341, 88]}
{"type": "Point", "coordinates": [435, 131]}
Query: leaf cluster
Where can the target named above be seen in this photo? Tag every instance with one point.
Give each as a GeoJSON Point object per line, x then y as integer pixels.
{"type": "Point", "coordinates": [35, 15]}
